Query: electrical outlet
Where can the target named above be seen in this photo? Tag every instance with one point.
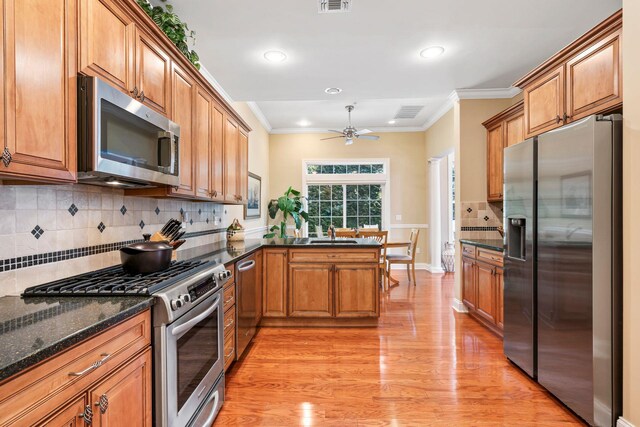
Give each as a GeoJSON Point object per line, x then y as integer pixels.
{"type": "Point", "coordinates": [398, 217]}
{"type": "Point", "coordinates": [418, 250]}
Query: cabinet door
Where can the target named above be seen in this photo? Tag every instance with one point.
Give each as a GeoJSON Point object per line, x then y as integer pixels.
{"type": "Point", "coordinates": [259, 276]}
{"type": "Point", "coordinates": [514, 130]}
{"type": "Point", "coordinates": [202, 141]}
{"type": "Point", "coordinates": [275, 283]}
{"type": "Point", "coordinates": [106, 43]}
{"type": "Point", "coordinates": [153, 73]}
{"type": "Point", "coordinates": [356, 288]}
{"type": "Point", "coordinates": [594, 82]}
{"type": "Point", "coordinates": [469, 295]}
{"type": "Point", "coordinates": [217, 153]}
{"type": "Point", "coordinates": [310, 290]}
{"type": "Point", "coordinates": [486, 284]}
{"type": "Point", "coordinates": [544, 103]}
{"type": "Point", "coordinates": [183, 90]}
{"type": "Point", "coordinates": [500, 298]}
{"type": "Point", "coordinates": [39, 49]}
{"type": "Point", "coordinates": [69, 416]}
{"type": "Point", "coordinates": [124, 399]}
{"type": "Point", "coordinates": [231, 153]}
{"type": "Point", "coordinates": [243, 166]}
{"type": "Point", "coordinates": [495, 147]}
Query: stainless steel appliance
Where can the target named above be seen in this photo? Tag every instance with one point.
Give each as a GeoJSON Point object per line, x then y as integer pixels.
{"type": "Point", "coordinates": [187, 336]}
{"type": "Point", "coordinates": [122, 142]}
{"type": "Point", "coordinates": [246, 301]}
{"type": "Point", "coordinates": [562, 296]}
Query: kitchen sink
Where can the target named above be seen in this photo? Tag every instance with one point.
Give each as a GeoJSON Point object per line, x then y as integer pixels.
{"type": "Point", "coordinates": [338, 240]}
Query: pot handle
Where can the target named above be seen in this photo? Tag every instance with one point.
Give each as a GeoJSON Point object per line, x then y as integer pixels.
{"type": "Point", "coordinates": [146, 237]}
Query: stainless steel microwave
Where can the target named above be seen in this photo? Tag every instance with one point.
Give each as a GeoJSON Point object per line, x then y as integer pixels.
{"type": "Point", "coordinates": [122, 142]}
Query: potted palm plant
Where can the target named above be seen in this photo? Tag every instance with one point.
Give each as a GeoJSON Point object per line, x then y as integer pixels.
{"type": "Point", "coordinates": [291, 206]}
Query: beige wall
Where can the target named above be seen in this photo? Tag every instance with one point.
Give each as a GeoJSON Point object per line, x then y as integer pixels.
{"type": "Point", "coordinates": [631, 201]}
{"type": "Point", "coordinates": [258, 164]}
{"type": "Point", "coordinates": [408, 162]}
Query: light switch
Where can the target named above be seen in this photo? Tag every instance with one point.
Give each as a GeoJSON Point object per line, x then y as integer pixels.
{"type": "Point", "coordinates": [398, 217]}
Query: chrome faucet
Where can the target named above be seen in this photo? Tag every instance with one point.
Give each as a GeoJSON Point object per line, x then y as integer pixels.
{"type": "Point", "coordinates": [332, 232]}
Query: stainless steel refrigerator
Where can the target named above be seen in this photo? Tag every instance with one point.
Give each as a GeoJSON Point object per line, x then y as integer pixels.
{"type": "Point", "coordinates": [562, 279]}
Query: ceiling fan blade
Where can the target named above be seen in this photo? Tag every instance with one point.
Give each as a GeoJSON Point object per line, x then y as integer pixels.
{"type": "Point", "coordinates": [332, 137]}
{"type": "Point", "coordinates": [336, 131]}
{"type": "Point", "coordinates": [364, 131]}
{"type": "Point", "coordinates": [372, 137]}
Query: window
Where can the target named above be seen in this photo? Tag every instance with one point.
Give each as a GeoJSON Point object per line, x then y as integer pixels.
{"type": "Point", "coordinates": [346, 193]}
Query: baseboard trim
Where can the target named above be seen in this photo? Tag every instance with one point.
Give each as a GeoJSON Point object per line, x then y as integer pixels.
{"type": "Point", "coordinates": [623, 423]}
{"type": "Point", "coordinates": [459, 306]}
{"type": "Point", "coordinates": [435, 269]}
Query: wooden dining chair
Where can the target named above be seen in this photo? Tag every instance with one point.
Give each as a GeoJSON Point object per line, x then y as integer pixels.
{"type": "Point", "coordinates": [380, 237]}
{"type": "Point", "coordinates": [345, 232]}
{"type": "Point", "coordinates": [409, 259]}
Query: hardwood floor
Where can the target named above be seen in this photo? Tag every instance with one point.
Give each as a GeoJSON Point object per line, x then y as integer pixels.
{"type": "Point", "coordinates": [423, 365]}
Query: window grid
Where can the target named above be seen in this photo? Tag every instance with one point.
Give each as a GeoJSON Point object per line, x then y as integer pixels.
{"type": "Point", "coordinates": [338, 169]}
{"type": "Point", "coordinates": [344, 205]}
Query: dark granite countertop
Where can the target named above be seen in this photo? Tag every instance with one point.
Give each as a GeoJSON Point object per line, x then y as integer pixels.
{"type": "Point", "coordinates": [33, 329]}
{"type": "Point", "coordinates": [228, 252]}
{"type": "Point", "coordinates": [494, 244]}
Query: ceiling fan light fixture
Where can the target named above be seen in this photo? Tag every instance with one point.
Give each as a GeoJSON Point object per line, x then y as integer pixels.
{"type": "Point", "coordinates": [432, 52]}
{"type": "Point", "coordinates": [304, 123]}
{"type": "Point", "coordinates": [348, 141]}
{"type": "Point", "coordinates": [392, 122]}
{"type": "Point", "coordinates": [333, 90]}
{"type": "Point", "coordinates": [275, 56]}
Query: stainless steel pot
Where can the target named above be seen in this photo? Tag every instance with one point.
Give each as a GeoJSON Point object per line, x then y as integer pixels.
{"type": "Point", "coordinates": [146, 257]}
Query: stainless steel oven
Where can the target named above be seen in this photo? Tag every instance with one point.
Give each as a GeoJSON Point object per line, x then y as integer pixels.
{"type": "Point", "coordinates": [188, 353]}
{"type": "Point", "coordinates": [122, 142]}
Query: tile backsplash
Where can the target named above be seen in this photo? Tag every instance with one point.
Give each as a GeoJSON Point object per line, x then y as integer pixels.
{"type": "Point", "coordinates": [480, 220]}
{"type": "Point", "coordinates": [83, 226]}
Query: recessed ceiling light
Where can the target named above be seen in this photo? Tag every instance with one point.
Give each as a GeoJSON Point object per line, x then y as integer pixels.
{"type": "Point", "coordinates": [333, 90]}
{"type": "Point", "coordinates": [304, 123]}
{"type": "Point", "coordinates": [275, 56]}
{"type": "Point", "coordinates": [432, 52]}
{"type": "Point", "coordinates": [392, 122]}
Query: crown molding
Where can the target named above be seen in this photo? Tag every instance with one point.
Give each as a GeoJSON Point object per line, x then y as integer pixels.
{"type": "Point", "coordinates": [286, 131]}
{"type": "Point", "coordinates": [207, 75]}
{"type": "Point", "coordinates": [255, 109]}
{"type": "Point", "coordinates": [500, 93]}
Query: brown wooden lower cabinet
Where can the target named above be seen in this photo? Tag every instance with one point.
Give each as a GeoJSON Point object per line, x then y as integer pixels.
{"type": "Point", "coordinates": [49, 395]}
{"type": "Point", "coordinates": [311, 290]}
{"type": "Point", "coordinates": [356, 288]}
{"type": "Point", "coordinates": [230, 320]}
{"type": "Point", "coordinates": [483, 287]}
{"type": "Point", "coordinates": [274, 286]}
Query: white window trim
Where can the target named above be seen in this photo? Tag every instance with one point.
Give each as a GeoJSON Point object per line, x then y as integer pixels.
{"type": "Point", "coordinates": [350, 178]}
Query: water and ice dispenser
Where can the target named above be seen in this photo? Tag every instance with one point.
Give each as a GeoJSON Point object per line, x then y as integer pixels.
{"type": "Point", "coordinates": [516, 238]}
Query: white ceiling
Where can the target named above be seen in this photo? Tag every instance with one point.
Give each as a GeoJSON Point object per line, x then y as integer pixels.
{"type": "Point", "coordinates": [372, 51]}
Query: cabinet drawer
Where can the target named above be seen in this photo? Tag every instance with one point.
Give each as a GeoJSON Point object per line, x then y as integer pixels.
{"type": "Point", "coordinates": [229, 296]}
{"type": "Point", "coordinates": [469, 251]}
{"type": "Point", "coordinates": [62, 377]}
{"type": "Point", "coordinates": [230, 321]}
{"type": "Point", "coordinates": [232, 268]}
{"type": "Point", "coordinates": [491, 257]}
{"type": "Point", "coordinates": [324, 255]}
{"type": "Point", "coordinates": [229, 350]}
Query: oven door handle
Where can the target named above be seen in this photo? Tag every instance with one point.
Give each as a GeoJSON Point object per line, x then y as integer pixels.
{"type": "Point", "coordinates": [215, 397]}
{"type": "Point", "coordinates": [188, 325]}
{"type": "Point", "coordinates": [247, 265]}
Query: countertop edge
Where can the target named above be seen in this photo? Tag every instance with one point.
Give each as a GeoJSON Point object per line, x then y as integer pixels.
{"type": "Point", "coordinates": [68, 342]}
{"type": "Point", "coordinates": [482, 244]}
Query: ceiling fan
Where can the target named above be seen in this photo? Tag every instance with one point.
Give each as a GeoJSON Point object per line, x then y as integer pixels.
{"type": "Point", "coordinates": [349, 133]}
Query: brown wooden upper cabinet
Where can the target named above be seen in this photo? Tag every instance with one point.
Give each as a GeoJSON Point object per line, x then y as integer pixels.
{"type": "Point", "coordinates": [231, 159]}
{"type": "Point", "coordinates": [503, 130]}
{"type": "Point", "coordinates": [203, 136]}
{"type": "Point", "coordinates": [113, 48]}
{"type": "Point", "coordinates": [183, 96]}
{"type": "Point", "coordinates": [38, 121]}
{"type": "Point", "coordinates": [582, 79]}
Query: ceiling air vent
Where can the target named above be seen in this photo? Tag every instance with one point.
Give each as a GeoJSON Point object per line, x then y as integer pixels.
{"type": "Point", "coordinates": [408, 111]}
{"type": "Point", "coordinates": [334, 6]}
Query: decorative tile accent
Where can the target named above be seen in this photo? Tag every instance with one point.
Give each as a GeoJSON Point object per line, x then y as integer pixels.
{"type": "Point", "coordinates": [73, 209]}
{"type": "Point", "coordinates": [191, 222]}
{"type": "Point", "coordinates": [123, 210]}
{"type": "Point", "coordinates": [469, 210]}
{"type": "Point", "coordinates": [478, 228]}
{"type": "Point", "coordinates": [181, 211]}
{"type": "Point", "coordinates": [157, 211]}
{"type": "Point", "coordinates": [141, 224]}
{"type": "Point", "coordinates": [199, 211]}
{"type": "Point", "coordinates": [37, 232]}
{"type": "Point", "coordinates": [486, 218]}
{"type": "Point", "coordinates": [101, 227]}
{"type": "Point", "coordinates": [207, 221]}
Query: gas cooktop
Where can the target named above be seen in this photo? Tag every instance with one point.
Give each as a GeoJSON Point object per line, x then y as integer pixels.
{"type": "Point", "coordinates": [114, 281]}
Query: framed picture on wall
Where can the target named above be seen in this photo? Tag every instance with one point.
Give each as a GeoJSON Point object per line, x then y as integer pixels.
{"type": "Point", "coordinates": [252, 209]}
{"type": "Point", "coordinates": [576, 195]}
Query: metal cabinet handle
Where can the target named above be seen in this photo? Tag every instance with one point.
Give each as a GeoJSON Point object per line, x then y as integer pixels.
{"type": "Point", "coordinates": [228, 300]}
{"type": "Point", "coordinates": [215, 193]}
{"type": "Point", "coordinates": [558, 119]}
{"type": "Point", "coordinates": [246, 266]}
{"type": "Point", "coordinates": [226, 356]}
{"type": "Point", "coordinates": [142, 96]}
{"type": "Point", "coordinates": [134, 92]}
{"type": "Point", "coordinates": [6, 157]}
{"type": "Point", "coordinates": [567, 117]}
{"type": "Point", "coordinates": [188, 325]}
{"type": "Point", "coordinates": [87, 415]}
{"type": "Point", "coordinates": [103, 403]}
{"type": "Point", "coordinates": [228, 324]}
{"type": "Point", "coordinates": [216, 398]}
{"type": "Point", "coordinates": [93, 366]}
